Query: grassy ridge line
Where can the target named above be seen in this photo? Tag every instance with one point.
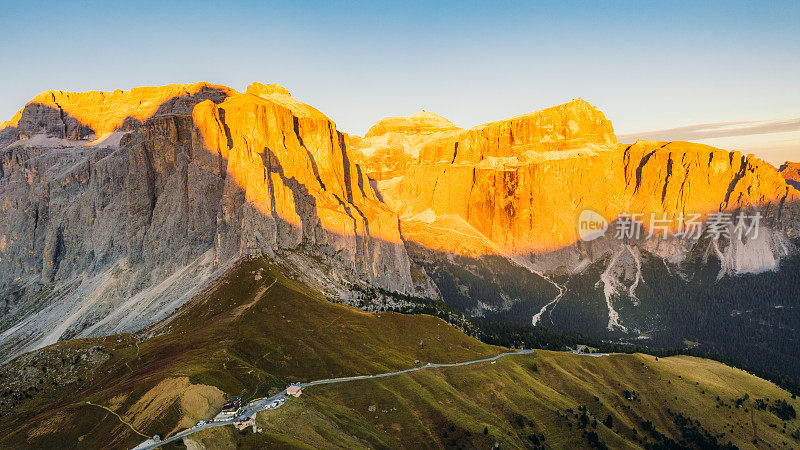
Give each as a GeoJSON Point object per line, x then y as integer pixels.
{"type": "Point", "coordinates": [628, 401]}
{"type": "Point", "coordinates": [185, 433]}
{"type": "Point", "coordinates": [510, 335]}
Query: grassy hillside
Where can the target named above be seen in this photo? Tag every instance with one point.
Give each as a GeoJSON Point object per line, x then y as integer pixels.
{"type": "Point", "coordinates": [253, 332]}
{"type": "Point", "coordinates": [524, 401]}
{"type": "Point", "coordinates": [257, 330]}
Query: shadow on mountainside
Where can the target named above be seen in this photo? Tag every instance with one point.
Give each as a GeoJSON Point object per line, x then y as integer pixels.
{"type": "Point", "coordinates": [153, 207]}
{"type": "Point", "coordinates": [121, 222]}
{"type": "Point", "coordinates": [144, 212]}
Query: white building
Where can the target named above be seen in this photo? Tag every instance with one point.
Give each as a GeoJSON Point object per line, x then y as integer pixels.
{"type": "Point", "coordinates": [294, 389]}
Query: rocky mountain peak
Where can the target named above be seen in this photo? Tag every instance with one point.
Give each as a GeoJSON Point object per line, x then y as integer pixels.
{"type": "Point", "coordinates": [572, 125]}
{"type": "Point", "coordinates": [516, 186]}
{"type": "Point", "coordinates": [203, 176]}
{"type": "Point", "coordinates": [206, 175]}
{"type": "Point", "coordinates": [95, 115]}
{"type": "Point", "coordinates": [279, 95]}
{"type": "Point", "coordinates": [11, 123]}
{"type": "Point", "coordinates": [791, 173]}
{"type": "Point", "coordinates": [267, 90]}
{"type": "Point", "coordinates": [423, 122]}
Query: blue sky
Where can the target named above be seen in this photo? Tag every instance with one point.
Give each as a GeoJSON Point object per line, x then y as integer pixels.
{"type": "Point", "coordinates": [647, 65]}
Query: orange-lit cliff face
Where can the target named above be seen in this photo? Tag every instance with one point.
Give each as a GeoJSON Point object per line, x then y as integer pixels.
{"type": "Point", "coordinates": [11, 123]}
{"type": "Point", "coordinates": [394, 143]}
{"type": "Point", "coordinates": [294, 169]}
{"type": "Point", "coordinates": [95, 115]}
{"type": "Point", "coordinates": [200, 175]}
{"type": "Point", "coordinates": [125, 230]}
{"type": "Point", "coordinates": [512, 186]}
{"type": "Point", "coordinates": [684, 177]}
{"type": "Point", "coordinates": [791, 173]}
{"type": "Point", "coordinates": [284, 157]}
{"type": "Point", "coordinates": [517, 186]}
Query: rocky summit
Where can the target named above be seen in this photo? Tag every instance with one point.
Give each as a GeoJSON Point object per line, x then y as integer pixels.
{"type": "Point", "coordinates": [791, 172]}
{"type": "Point", "coordinates": [118, 207]}
{"type": "Point", "coordinates": [517, 186]}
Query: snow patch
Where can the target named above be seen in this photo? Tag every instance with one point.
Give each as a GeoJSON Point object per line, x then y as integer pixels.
{"type": "Point", "coordinates": [632, 289]}
{"type": "Point", "coordinates": [538, 316]}
{"type": "Point", "coordinates": [610, 287]}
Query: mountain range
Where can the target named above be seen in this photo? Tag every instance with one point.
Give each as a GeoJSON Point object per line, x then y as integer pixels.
{"type": "Point", "coordinates": [121, 207]}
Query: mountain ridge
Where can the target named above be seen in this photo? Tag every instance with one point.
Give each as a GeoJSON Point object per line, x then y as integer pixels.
{"type": "Point", "coordinates": [153, 216]}
{"type": "Point", "coordinates": [151, 205]}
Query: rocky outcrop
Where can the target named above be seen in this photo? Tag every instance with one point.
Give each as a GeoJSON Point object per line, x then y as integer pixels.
{"type": "Point", "coordinates": [290, 183]}
{"type": "Point", "coordinates": [394, 143]}
{"type": "Point", "coordinates": [516, 187]}
{"type": "Point", "coordinates": [96, 114]}
{"type": "Point", "coordinates": [505, 198]}
{"type": "Point", "coordinates": [111, 235]}
{"type": "Point", "coordinates": [571, 126]}
{"type": "Point", "coordinates": [421, 123]}
{"type": "Point", "coordinates": [511, 186]}
{"type": "Point", "coordinates": [680, 177]}
{"type": "Point", "coordinates": [791, 173]}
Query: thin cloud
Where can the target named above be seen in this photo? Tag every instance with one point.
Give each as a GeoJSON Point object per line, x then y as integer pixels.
{"type": "Point", "coordinates": [715, 130]}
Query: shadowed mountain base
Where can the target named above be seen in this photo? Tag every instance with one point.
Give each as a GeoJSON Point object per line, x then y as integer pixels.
{"type": "Point", "coordinates": [283, 331]}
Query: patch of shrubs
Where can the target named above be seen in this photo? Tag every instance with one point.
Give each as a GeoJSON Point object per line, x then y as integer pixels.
{"type": "Point", "coordinates": [783, 410]}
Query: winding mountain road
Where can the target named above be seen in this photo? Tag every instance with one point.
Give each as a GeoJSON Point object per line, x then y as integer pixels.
{"type": "Point", "coordinates": [257, 405]}
{"type": "Point", "coordinates": [413, 369]}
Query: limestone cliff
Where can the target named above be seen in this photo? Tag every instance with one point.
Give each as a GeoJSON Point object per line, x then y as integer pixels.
{"type": "Point", "coordinates": [514, 185]}
{"type": "Point", "coordinates": [791, 173]}
{"type": "Point", "coordinates": [96, 114]}
{"type": "Point", "coordinates": [679, 177]}
{"type": "Point", "coordinates": [118, 207]}
{"type": "Point", "coordinates": [290, 182]}
{"type": "Point", "coordinates": [517, 186]}
{"type": "Point", "coordinates": [505, 197]}
{"type": "Point", "coordinates": [394, 143]}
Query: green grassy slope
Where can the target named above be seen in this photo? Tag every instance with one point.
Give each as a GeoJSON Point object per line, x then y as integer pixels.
{"type": "Point", "coordinates": [252, 333]}
{"type": "Point", "coordinates": [521, 398]}
{"type": "Point", "coordinates": [257, 330]}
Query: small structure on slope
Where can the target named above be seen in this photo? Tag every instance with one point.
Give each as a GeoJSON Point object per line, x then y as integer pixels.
{"type": "Point", "coordinates": [229, 409]}
{"type": "Point", "coordinates": [294, 390]}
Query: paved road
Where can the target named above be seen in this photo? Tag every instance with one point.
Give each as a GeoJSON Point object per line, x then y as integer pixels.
{"type": "Point", "coordinates": [248, 411]}
{"type": "Point", "coordinates": [150, 444]}
{"type": "Point", "coordinates": [257, 405]}
{"type": "Point", "coordinates": [413, 369]}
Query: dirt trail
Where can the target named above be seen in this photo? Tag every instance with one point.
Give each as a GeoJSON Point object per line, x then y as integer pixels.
{"type": "Point", "coordinates": [242, 308]}
{"type": "Point", "coordinates": [120, 419]}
